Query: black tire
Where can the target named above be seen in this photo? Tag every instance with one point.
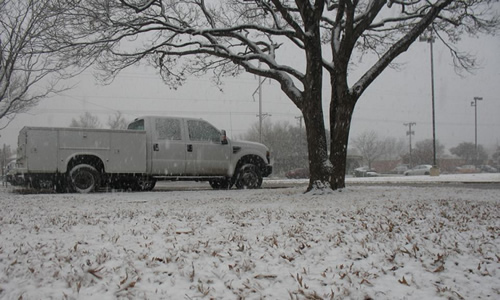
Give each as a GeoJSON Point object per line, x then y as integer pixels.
{"type": "Point", "coordinates": [144, 184]}
{"type": "Point", "coordinates": [83, 179]}
{"type": "Point", "coordinates": [34, 183]}
{"type": "Point", "coordinates": [248, 177]}
{"type": "Point", "coordinates": [220, 184]}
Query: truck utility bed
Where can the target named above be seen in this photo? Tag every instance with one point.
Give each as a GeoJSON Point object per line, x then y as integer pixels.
{"type": "Point", "coordinates": [48, 149]}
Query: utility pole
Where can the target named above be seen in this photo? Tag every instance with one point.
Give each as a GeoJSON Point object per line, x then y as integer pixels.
{"type": "Point", "coordinates": [410, 133]}
{"type": "Point", "coordinates": [4, 163]}
{"type": "Point", "coordinates": [474, 104]}
{"type": "Point", "coordinates": [260, 115]}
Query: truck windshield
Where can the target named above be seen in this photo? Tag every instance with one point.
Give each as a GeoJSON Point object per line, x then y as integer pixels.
{"type": "Point", "coordinates": [136, 125]}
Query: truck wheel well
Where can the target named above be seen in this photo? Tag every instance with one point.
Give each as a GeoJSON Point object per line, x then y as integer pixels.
{"type": "Point", "coordinates": [250, 159]}
{"type": "Point", "coordinates": [92, 160]}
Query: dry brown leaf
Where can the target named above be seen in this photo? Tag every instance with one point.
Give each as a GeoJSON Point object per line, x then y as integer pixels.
{"type": "Point", "coordinates": [366, 282]}
{"type": "Point", "coordinates": [403, 281]}
{"type": "Point", "coordinates": [159, 259]}
{"type": "Point", "coordinates": [124, 280]}
{"type": "Point", "coordinates": [95, 271]}
{"type": "Point", "coordinates": [439, 258]}
{"type": "Point", "coordinates": [265, 276]}
{"type": "Point", "coordinates": [439, 269]}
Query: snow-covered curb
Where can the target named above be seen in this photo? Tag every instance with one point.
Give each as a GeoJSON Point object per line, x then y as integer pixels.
{"type": "Point", "coordinates": [443, 178]}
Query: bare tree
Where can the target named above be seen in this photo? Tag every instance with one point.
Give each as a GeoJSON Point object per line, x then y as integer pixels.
{"type": "Point", "coordinates": [87, 120]}
{"type": "Point", "coordinates": [423, 152]}
{"type": "Point", "coordinates": [370, 146]}
{"type": "Point", "coordinates": [496, 157]}
{"type": "Point", "coordinates": [287, 144]}
{"type": "Point", "coordinates": [117, 121]}
{"type": "Point", "coordinates": [182, 38]}
{"type": "Point", "coordinates": [5, 157]}
{"type": "Point", "coordinates": [394, 148]}
{"type": "Point", "coordinates": [467, 151]}
{"type": "Point", "coordinates": [29, 67]}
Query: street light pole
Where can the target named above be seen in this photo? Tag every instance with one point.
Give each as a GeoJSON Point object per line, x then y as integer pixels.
{"type": "Point", "coordinates": [474, 103]}
{"type": "Point", "coordinates": [430, 39]}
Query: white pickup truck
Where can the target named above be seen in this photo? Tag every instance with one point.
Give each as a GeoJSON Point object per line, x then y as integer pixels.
{"type": "Point", "coordinates": [151, 149]}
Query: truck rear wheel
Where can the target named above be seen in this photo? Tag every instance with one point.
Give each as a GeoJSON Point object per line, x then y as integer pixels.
{"type": "Point", "coordinates": [248, 177]}
{"type": "Point", "coordinates": [84, 178]}
{"type": "Point", "coordinates": [145, 184]}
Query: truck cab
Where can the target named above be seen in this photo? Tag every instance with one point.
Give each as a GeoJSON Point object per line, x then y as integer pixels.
{"type": "Point", "coordinates": [188, 148]}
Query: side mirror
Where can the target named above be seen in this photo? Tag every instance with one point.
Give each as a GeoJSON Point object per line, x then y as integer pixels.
{"type": "Point", "coordinates": [223, 137]}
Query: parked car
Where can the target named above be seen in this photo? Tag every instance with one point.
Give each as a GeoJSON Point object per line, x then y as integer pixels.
{"type": "Point", "coordinates": [419, 170]}
{"type": "Point", "coordinates": [400, 169]}
{"type": "Point", "coordinates": [488, 169]}
{"type": "Point", "coordinates": [365, 172]}
{"type": "Point", "coordinates": [298, 173]}
{"type": "Point", "coordinates": [467, 169]}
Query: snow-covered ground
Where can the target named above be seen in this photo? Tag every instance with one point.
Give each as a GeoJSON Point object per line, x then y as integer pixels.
{"type": "Point", "coordinates": [364, 242]}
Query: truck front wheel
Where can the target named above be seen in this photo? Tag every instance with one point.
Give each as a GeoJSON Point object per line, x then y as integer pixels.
{"type": "Point", "coordinates": [248, 177]}
{"type": "Point", "coordinates": [84, 178]}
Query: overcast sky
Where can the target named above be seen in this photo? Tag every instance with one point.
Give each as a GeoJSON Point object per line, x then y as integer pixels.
{"type": "Point", "coordinates": [396, 97]}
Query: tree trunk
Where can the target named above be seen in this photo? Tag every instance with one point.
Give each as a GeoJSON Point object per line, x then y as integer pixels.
{"type": "Point", "coordinates": [312, 108]}
{"type": "Point", "coordinates": [319, 166]}
{"type": "Point", "coordinates": [341, 110]}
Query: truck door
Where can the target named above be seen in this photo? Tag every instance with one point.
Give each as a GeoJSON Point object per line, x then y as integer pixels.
{"type": "Point", "coordinates": [169, 149]}
{"type": "Point", "coordinates": [206, 155]}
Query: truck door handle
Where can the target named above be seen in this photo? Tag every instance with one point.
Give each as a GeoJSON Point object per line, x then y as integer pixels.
{"type": "Point", "coordinates": [156, 147]}
{"type": "Point", "coordinates": [190, 148]}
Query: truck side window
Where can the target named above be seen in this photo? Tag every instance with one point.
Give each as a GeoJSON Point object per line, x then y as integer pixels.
{"type": "Point", "coordinates": [137, 125]}
{"type": "Point", "coordinates": [202, 131]}
{"type": "Point", "coordinates": [168, 129]}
